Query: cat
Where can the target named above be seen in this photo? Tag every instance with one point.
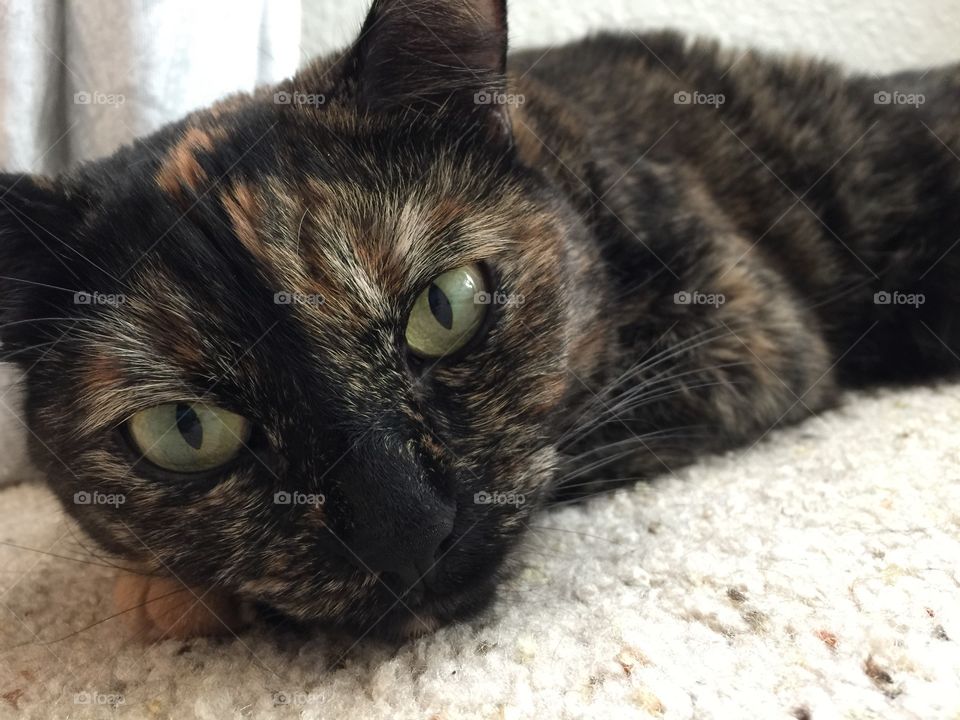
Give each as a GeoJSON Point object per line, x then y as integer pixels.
{"type": "Point", "coordinates": [327, 347]}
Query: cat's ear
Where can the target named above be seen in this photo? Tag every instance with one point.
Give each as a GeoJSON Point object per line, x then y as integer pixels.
{"type": "Point", "coordinates": [435, 55]}
{"type": "Point", "coordinates": [36, 217]}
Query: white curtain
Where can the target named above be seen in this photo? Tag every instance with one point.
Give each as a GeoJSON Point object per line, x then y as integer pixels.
{"type": "Point", "coordinates": [78, 78]}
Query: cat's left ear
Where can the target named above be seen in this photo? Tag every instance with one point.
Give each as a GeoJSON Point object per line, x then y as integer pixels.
{"type": "Point", "coordinates": [36, 221]}
{"type": "Point", "coordinates": [435, 56]}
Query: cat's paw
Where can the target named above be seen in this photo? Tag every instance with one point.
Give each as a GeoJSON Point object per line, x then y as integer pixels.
{"type": "Point", "coordinates": [160, 608]}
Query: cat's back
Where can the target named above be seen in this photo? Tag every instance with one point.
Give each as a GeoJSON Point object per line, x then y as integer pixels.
{"type": "Point", "coordinates": [653, 81]}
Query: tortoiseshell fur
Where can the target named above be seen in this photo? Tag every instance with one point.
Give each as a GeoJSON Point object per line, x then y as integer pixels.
{"type": "Point", "coordinates": [591, 205]}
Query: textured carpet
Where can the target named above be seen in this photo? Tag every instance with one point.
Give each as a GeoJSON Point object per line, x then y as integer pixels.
{"type": "Point", "coordinates": [816, 575]}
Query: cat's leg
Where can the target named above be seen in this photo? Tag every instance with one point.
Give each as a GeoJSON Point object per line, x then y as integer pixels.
{"type": "Point", "coordinates": [158, 608]}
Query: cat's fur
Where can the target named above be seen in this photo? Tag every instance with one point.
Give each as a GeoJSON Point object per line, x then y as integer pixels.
{"type": "Point", "coordinates": [595, 202]}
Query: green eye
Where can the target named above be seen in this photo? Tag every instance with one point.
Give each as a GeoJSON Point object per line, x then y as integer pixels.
{"type": "Point", "coordinates": [448, 313]}
{"type": "Point", "coordinates": [188, 437]}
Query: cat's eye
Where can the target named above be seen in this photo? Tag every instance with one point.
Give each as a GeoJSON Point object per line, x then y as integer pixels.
{"type": "Point", "coordinates": [188, 437]}
{"type": "Point", "coordinates": [448, 313]}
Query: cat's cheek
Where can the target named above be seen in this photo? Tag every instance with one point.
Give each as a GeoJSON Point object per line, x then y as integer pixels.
{"type": "Point", "coordinates": [158, 608]}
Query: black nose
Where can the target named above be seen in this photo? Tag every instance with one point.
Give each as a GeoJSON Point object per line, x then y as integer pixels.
{"type": "Point", "coordinates": [399, 516]}
{"type": "Point", "coordinates": [404, 551]}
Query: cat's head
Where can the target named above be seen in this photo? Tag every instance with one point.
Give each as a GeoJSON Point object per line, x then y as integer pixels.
{"type": "Point", "coordinates": [307, 347]}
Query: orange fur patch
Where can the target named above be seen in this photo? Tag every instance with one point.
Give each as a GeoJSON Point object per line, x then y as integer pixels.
{"type": "Point", "coordinates": [180, 168]}
{"type": "Point", "coordinates": [241, 205]}
{"type": "Point", "coordinates": [158, 608]}
{"type": "Point", "coordinates": [102, 375]}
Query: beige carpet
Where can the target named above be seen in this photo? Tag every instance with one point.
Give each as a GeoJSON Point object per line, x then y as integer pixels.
{"type": "Point", "coordinates": [816, 575]}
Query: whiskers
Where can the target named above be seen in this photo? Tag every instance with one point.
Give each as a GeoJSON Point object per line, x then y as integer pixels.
{"type": "Point", "coordinates": [600, 456]}
{"type": "Point", "coordinates": [8, 356]}
{"type": "Point", "coordinates": [188, 600]}
{"type": "Point", "coordinates": [50, 327]}
{"type": "Point", "coordinates": [78, 553]}
{"type": "Point", "coordinates": [649, 380]}
{"type": "Point", "coordinates": [97, 561]}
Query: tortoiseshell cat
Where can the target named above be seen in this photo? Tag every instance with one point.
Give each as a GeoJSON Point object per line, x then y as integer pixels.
{"type": "Point", "coordinates": [335, 342]}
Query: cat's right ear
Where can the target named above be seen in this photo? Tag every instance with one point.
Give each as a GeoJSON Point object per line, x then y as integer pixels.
{"type": "Point", "coordinates": [36, 217]}
{"type": "Point", "coordinates": [433, 56]}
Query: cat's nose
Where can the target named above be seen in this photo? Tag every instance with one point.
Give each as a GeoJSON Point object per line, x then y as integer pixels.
{"type": "Point", "coordinates": [398, 516]}
{"type": "Point", "coordinates": [407, 554]}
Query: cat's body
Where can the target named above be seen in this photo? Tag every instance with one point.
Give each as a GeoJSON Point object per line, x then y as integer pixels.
{"type": "Point", "coordinates": [794, 199]}
{"type": "Point", "coordinates": [668, 278]}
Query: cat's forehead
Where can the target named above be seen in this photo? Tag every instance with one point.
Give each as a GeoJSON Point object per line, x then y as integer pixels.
{"type": "Point", "coordinates": [358, 248]}
{"type": "Point", "coordinates": [363, 214]}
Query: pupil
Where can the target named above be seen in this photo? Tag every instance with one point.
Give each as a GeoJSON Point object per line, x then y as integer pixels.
{"type": "Point", "coordinates": [189, 426]}
{"type": "Point", "coordinates": [440, 306]}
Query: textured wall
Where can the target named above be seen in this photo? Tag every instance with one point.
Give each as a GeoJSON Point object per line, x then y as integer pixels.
{"type": "Point", "coordinates": [874, 35]}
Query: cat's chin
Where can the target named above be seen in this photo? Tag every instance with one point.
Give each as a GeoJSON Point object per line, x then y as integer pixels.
{"type": "Point", "coordinates": [434, 611]}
